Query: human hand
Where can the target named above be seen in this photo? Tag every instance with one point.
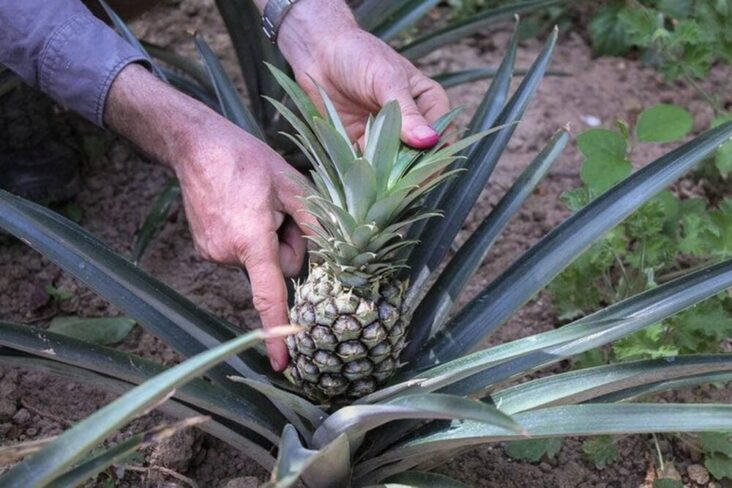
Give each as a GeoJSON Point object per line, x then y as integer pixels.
{"type": "Point", "coordinates": [243, 208]}
{"type": "Point", "coordinates": [241, 198]}
{"type": "Point", "coordinates": [358, 71]}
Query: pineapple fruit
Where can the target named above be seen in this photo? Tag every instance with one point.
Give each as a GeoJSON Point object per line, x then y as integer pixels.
{"type": "Point", "coordinates": [352, 304]}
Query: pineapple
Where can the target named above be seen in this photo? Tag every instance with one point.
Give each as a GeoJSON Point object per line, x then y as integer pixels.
{"type": "Point", "coordinates": [352, 304]}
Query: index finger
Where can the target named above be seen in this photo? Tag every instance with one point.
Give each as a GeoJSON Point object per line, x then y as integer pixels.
{"type": "Point", "coordinates": [269, 293]}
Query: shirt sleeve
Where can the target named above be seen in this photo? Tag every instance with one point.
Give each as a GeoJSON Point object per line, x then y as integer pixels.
{"type": "Point", "coordinates": [61, 48]}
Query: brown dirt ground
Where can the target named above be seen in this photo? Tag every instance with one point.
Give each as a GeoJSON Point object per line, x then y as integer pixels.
{"type": "Point", "coordinates": [119, 186]}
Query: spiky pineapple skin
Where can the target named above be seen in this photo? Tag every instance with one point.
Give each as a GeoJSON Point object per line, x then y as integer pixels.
{"type": "Point", "coordinates": [352, 337]}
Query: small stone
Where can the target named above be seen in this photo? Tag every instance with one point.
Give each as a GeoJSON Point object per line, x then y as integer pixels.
{"type": "Point", "coordinates": [8, 407]}
{"type": "Point", "coordinates": [698, 474]}
{"type": "Point", "coordinates": [177, 451]}
{"type": "Point", "coordinates": [243, 482]}
{"type": "Point", "coordinates": [31, 432]}
{"type": "Point", "coordinates": [22, 417]}
{"type": "Point", "coordinates": [38, 298]}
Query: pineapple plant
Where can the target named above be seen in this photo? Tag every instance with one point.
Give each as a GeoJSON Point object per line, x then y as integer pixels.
{"type": "Point", "coordinates": [352, 305]}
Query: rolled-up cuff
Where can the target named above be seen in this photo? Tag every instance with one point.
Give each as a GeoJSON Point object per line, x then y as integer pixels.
{"type": "Point", "coordinates": [80, 61]}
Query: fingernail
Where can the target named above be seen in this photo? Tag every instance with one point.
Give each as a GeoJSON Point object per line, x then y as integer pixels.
{"type": "Point", "coordinates": [275, 364]}
{"type": "Point", "coordinates": [425, 133]}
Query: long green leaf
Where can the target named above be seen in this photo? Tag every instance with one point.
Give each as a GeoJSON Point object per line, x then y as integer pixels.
{"type": "Point", "coordinates": [571, 420]}
{"type": "Point", "coordinates": [247, 442]}
{"type": "Point", "coordinates": [587, 384]}
{"type": "Point", "coordinates": [231, 103]}
{"type": "Point", "coordinates": [463, 28]}
{"type": "Point", "coordinates": [158, 308]}
{"type": "Point", "coordinates": [313, 414]}
{"type": "Point", "coordinates": [190, 87]}
{"type": "Point", "coordinates": [57, 457]}
{"type": "Point", "coordinates": [179, 322]}
{"type": "Point", "coordinates": [616, 326]}
{"type": "Point", "coordinates": [370, 13]}
{"type": "Point", "coordinates": [559, 248]}
{"type": "Point", "coordinates": [495, 99]}
{"type": "Point", "coordinates": [328, 467]}
{"type": "Point", "coordinates": [357, 420]}
{"type": "Point", "coordinates": [438, 303]}
{"type": "Point", "coordinates": [421, 479]}
{"type": "Point", "coordinates": [187, 65]}
{"type": "Point", "coordinates": [408, 14]}
{"type": "Point", "coordinates": [382, 143]}
{"type": "Point", "coordinates": [663, 386]}
{"type": "Point", "coordinates": [465, 190]}
{"type": "Point", "coordinates": [485, 116]}
{"type": "Point", "coordinates": [455, 78]}
{"type": "Point", "coordinates": [155, 218]}
{"type": "Point", "coordinates": [134, 369]}
{"type": "Point", "coordinates": [475, 372]}
{"type": "Point", "coordinates": [244, 25]}
{"type": "Point", "coordinates": [101, 461]}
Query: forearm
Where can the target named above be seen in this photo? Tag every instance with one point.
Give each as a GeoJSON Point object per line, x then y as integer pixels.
{"type": "Point", "coordinates": [59, 47]}
{"type": "Point", "coordinates": [158, 119]}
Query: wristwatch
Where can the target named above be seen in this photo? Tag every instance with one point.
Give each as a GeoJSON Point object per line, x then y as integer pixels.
{"type": "Point", "coordinates": [273, 15]}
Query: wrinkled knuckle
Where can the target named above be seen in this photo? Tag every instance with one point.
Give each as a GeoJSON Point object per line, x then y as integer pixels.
{"type": "Point", "coordinates": [212, 251]}
{"type": "Point", "coordinates": [263, 303]}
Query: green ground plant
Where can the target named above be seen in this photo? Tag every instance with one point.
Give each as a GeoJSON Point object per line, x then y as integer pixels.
{"type": "Point", "coordinates": [683, 39]}
{"type": "Point", "coordinates": [665, 237]}
{"type": "Point", "coordinates": [533, 24]}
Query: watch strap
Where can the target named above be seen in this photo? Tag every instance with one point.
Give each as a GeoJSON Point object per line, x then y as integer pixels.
{"type": "Point", "coordinates": [273, 15]}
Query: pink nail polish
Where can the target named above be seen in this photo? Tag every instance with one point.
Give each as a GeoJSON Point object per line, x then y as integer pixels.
{"type": "Point", "coordinates": [425, 133]}
{"type": "Point", "coordinates": [424, 137]}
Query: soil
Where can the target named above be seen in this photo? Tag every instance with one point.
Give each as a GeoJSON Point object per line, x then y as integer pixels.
{"type": "Point", "coordinates": [119, 186]}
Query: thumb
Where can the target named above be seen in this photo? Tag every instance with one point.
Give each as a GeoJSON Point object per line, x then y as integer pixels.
{"type": "Point", "coordinates": [269, 293]}
{"type": "Point", "coordinates": [416, 131]}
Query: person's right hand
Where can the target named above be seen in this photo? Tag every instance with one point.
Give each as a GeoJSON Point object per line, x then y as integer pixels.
{"type": "Point", "coordinates": [242, 200]}
{"type": "Point", "coordinates": [243, 206]}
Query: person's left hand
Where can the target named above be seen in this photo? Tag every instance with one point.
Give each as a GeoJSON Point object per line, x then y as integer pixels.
{"type": "Point", "coordinates": [361, 73]}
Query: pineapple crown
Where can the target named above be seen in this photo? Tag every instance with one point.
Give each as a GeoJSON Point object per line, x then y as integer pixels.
{"type": "Point", "coordinates": [365, 200]}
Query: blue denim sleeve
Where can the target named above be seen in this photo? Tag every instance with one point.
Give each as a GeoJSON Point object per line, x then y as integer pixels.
{"type": "Point", "coordinates": [59, 47]}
